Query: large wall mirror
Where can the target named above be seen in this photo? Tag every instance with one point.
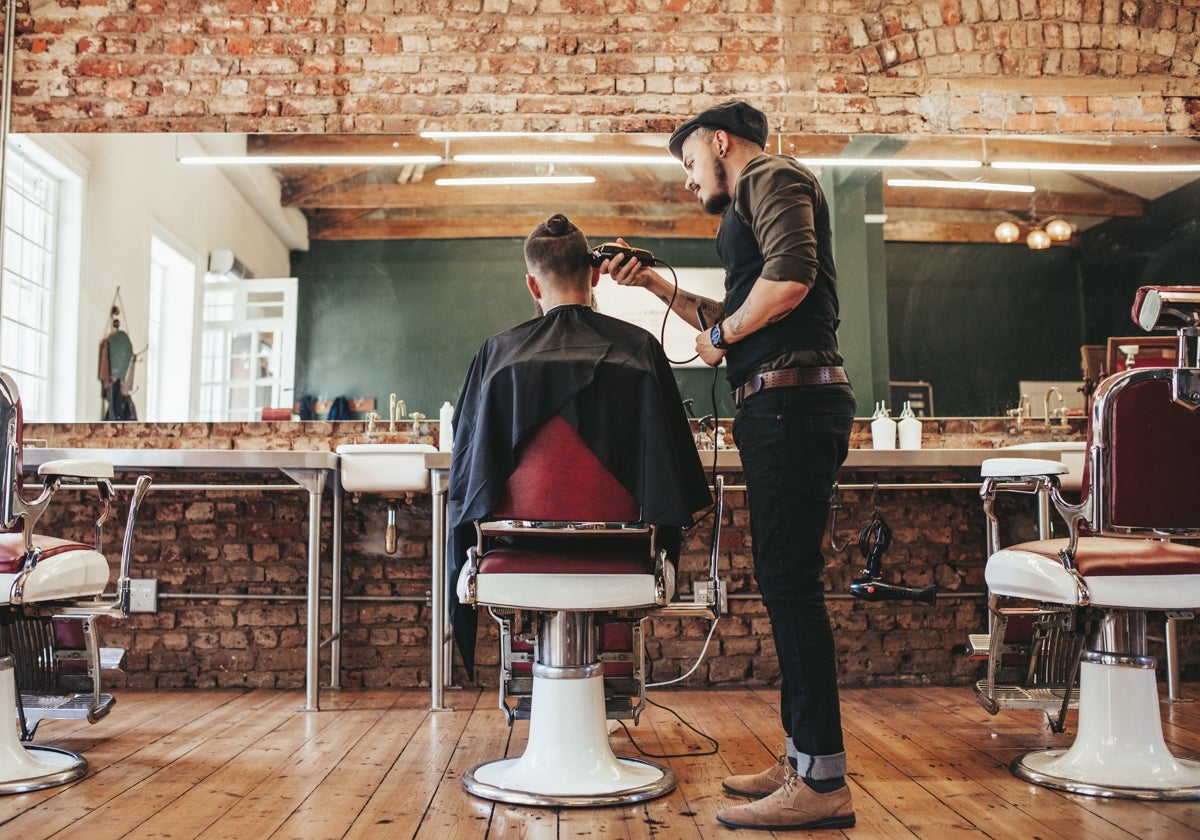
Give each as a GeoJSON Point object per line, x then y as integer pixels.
{"type": "Point", "coordinates": [361, 266]}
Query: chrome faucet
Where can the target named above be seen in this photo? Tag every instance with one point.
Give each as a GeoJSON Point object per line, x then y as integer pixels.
{"type": "Point", "coordinates": [1061, 410]}
{"type": "Point", "coordinates": [1022, 410]}
{"type": "Point", "coordinates": [396, 411]}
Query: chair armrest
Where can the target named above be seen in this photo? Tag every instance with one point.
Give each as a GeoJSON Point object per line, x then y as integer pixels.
{"type": "Point", "coordinates": [1021, 467]}
{"type": "Point", "coordinates": [77, 468]}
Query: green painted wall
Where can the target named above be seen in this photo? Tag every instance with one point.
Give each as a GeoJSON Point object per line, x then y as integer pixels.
{"type": "Point", "coordinates": [406, 317]}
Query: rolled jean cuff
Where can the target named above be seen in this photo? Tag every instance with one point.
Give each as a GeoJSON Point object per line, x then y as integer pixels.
{"type": "Point", "coordinates": [816, 767]}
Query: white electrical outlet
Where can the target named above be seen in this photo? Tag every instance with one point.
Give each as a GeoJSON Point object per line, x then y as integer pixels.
{"type": "Point", "coordinates": [143, 595]}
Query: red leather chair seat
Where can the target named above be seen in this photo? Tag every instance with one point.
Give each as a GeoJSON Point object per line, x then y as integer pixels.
{"type": "Point", "coordinates": [12, 549]}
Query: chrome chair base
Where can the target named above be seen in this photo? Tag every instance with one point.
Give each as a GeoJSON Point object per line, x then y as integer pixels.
{"type": "Point", "coordinates": [40, 767]}
{"type": "Point", "coordinates": [505, 773]}
{"type": "Point", "coordinates": [568, 761]}
{"type": "Point", "coordinates": [27, 768]}
{"type": "Point", "coordinates": [1040, 768]}
{"type": "Point", "coordinates": [1119, 750]}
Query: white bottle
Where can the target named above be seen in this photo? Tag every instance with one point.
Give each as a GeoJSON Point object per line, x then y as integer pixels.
{"type": "Point", "coordinates": [910, 429]}
{"type": "Point", "coordinates": [883, 429]}
{"type": "Point", "coordinates": [446, 427]}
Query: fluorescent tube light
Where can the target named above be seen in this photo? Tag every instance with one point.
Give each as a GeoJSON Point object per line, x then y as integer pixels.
{"type": "Point", "coordinates": [453, 135]}
{"type": "Point", "coordinates": [881, 163]}
{"type": "Point", "coordinates": [649, 160]}
{"type": "Point", "coordinates": [959, 185]}
{"type": "Point", "coordinates": [515, 179]}
{"type": "Point", "coordinates": [1063, 166]}
{"type": "Point", "coordinates": [309, 160]}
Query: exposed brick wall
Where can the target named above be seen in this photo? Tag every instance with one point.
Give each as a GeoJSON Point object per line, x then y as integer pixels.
{"type": "Point", "coordinates": [254, 543]}
{"type": "Point", "coordinates": [819, 66]}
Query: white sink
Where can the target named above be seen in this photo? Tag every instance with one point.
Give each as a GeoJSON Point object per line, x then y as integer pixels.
{"type": "Point", "coordinates": [1072, 453]}
{"type": "Point", "coordinates": [384, 468]}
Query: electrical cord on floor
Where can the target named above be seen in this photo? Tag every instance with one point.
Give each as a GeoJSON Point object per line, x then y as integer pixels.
{"type": "Point", "coordinates": [695, 665]}
{"type": "Point", "coordinates": [649, 672]}
{"type": "Point", "coordinates": [715, 744]}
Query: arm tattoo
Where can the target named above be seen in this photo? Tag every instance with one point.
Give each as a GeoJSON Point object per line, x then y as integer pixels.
{"type": "Point", "coordinates": [710, 311]}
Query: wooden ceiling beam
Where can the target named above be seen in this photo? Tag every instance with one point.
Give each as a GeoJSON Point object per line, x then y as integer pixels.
{"type": "Point", "coordinates": [1087, 204]}
{"type": "Point", "coordinates": [345, 226]}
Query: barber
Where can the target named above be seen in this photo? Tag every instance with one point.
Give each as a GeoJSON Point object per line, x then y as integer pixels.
{"type": "Point", "coordinates": [776, 330]}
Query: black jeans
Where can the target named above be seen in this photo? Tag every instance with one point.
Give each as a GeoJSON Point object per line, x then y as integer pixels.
{"type": "Point", "coordinates": [792, 440]}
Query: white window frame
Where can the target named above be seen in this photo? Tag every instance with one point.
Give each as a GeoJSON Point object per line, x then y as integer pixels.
{"type": "Point", "coordinates": [51, 396]}
{"type": "Point", "coordinates": [218, 331]}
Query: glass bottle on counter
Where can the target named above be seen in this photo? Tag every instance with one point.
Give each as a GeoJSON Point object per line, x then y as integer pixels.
{"type": "Point", "coordinates": [910, 429]}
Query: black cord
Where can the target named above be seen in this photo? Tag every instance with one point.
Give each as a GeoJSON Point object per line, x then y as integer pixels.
{"type": "Point", "coordinates": [873, 541]}
{"type": "Point", "coordinates": [647, 679]}
{"type": "Point", "coordinates": [715, 744]}
{"type": "Point", "coordinates": [662, 333]}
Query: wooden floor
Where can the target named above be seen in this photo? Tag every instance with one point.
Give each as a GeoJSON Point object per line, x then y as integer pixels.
{"type": "Point", "coordinates": [925, 763]}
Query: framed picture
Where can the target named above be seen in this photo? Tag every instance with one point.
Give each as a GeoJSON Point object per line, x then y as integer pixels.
{"type": "Point", "coordinates": [918, 395]}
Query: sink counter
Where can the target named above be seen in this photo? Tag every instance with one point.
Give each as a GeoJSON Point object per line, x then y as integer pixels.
{"type": "Point", "coordinates": [882, 460]}
{"type": "Point", "coordinates": [216, 460]}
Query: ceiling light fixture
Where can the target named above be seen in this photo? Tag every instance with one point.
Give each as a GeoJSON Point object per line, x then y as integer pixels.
{"type": "Point", "coordinates": [959, 185]}
{"type": "Point", "coordinates": [452, 135]}
{"type": "Point", "coordinates": [649, 160]}
{"type": "Point", "coordinates": [1060, 230]}
{"type": "Point", "coordinates": [515, 180]}
{"type": "Point", "coordinates": [1007, 232]}
{"type": "Point", "coordinates": [880, 163]}
{"type": "Point", "coordinates": [1068, 166]}
{"type": "Point", "coordinates": [309, 160]}
{"type": "Point", "coordinates": [1037, 239]}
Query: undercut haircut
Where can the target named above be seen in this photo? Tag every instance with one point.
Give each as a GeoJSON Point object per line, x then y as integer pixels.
{"type": "Point", "coordinates": [557, 253]}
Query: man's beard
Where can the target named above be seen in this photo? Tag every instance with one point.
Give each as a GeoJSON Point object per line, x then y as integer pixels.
{"type": "Point", "coordinates": [716, 203]}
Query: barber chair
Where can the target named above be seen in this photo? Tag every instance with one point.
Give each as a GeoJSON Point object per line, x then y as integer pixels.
{"type": "Point", "coordinates": [51, 600]}
{"type": "Point", "coordinates": [1087, 595]}
{"type": "Point", "coordinates": [570, 572]}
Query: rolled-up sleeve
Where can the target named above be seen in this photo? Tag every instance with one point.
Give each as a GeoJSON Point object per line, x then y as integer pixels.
{"type": "Point", "coordinates": [778, 202]}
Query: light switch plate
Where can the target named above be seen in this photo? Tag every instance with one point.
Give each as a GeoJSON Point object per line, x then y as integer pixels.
{"type": "Point", "coordinates": [143, 595]}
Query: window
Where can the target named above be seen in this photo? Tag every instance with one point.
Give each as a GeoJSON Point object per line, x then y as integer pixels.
{"type": "Point", "coordinates": [248, 352]}
{"type": "Point", "coordinates": [39, 291]}
{"type": "Point", "coordinates": [172, 311]}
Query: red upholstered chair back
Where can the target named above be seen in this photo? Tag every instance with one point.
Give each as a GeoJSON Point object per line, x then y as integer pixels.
{"type": "Point", "coordinates": [558, 478]}
{"type": "Point", "coordinates": [1150, 456]}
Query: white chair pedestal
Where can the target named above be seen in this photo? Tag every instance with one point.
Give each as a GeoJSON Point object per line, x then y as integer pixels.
{"type": "Point", "coordinates": [568, 760]}
{"type": "Point", "coordinates": [28, 768]}
{"type": "Point", "coordinates": [1119, 749]}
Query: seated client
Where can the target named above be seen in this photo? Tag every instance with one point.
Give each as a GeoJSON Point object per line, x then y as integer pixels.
{"type": "Point", "coordinates": [609, 379]}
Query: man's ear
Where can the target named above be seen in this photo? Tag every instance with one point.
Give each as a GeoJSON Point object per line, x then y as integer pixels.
{"type": "Point", "coordinates": [534, 288]}
{"type": "Point", "coordinates": [595, 276]}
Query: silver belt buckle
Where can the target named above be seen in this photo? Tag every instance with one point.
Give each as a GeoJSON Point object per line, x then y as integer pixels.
{"type": "Point", "coordinates": [749, 388]}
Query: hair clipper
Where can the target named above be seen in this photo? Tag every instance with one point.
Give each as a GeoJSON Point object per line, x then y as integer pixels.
{"type": "Point", "coordinates": [610, 249]}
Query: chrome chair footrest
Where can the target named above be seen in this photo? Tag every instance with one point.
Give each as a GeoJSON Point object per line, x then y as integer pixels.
{"type": "Point", "coordinates": [40, 707]}
{"type": "Point", "coordinates": [615, 708]}
{"type": "Point", "coordinates": [112, 659]}
{"type": "Point", "coordinates": [979, 645]}
{"type": "Point", "coordinates": [1048, 698]}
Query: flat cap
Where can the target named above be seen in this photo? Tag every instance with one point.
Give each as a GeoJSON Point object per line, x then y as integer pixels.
{"type": "Point", "coordinates": [736, 117]}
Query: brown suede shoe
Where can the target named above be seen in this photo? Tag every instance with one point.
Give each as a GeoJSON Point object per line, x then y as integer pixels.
{"type": "Point", "coordinates": [794, 805]}
{"type": "Point", "coordinates": [759, 784]}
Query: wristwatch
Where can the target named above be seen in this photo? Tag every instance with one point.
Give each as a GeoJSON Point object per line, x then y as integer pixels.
{"type": "Point", "coordinates": [714, 335]}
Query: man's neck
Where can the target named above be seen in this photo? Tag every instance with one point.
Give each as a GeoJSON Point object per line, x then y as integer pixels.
{"type": "Point", "coordinates": [549, 304]}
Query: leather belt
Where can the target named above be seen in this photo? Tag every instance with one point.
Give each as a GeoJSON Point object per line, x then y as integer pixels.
{"type": "Point", "coordinates": [788, 376]}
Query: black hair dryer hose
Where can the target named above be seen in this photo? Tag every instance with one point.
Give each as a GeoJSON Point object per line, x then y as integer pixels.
{"type": "Point", "coordinates": [873, 541]}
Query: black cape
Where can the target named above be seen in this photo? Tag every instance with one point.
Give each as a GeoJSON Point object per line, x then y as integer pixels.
{"type": "Point", "coordinates": [612, 381]}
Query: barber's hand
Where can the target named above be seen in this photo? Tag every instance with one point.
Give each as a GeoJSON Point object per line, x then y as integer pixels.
{"type": "Point", "coordinates": [627, 271]}
{"type": "Point", "coordinates": [710, 355]}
